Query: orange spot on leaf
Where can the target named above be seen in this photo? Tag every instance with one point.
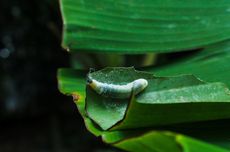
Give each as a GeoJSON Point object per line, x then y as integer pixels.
{"type": "Point", "coordinates": [76, 97]}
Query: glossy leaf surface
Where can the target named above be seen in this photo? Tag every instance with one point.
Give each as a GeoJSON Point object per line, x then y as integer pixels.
{"type": "Point", "coordinates": [140, 26]}
{"type": "Point", "coordinates": [72, 82]}
{"type": "Point", "coordinates": [211, 65]}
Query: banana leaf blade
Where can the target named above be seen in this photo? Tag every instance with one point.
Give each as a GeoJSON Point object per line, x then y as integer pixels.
{"type": "Point", "coordinates": [146, 26]}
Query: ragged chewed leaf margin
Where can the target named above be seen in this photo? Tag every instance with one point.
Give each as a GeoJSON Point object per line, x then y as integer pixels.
{"type": "Point", "coordinates": [112, 137]}
{"type": "Point", "coordinates": [166, 100]}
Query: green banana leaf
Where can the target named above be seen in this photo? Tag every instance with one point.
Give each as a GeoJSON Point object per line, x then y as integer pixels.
{"type": "Point", "coordinates": [166, 100]}
{"type": "Point", "coordinates": [211, 64]}
{"type": "Point", "coordinates": [155, 141]}
{"type": "Point", "coordinates": [213, 132]}
{"type": "Point", "coordinates": [72, 82]}
{"type": "Point", "coordinates": [141, 26]}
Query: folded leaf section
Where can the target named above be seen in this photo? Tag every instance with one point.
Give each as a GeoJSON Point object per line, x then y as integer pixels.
{"type": "Point", "coordinates": [165, 101]}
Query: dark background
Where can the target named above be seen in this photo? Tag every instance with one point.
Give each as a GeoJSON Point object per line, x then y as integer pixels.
{"type": "Point", "coordinates": [34, 116]}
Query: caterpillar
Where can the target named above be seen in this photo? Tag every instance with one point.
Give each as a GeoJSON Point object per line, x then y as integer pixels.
{"type": "Point", "coordinates": [117, 91]}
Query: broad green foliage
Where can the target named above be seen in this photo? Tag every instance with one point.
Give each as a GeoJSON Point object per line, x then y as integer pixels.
{"type": "Point", "coordinates": [181, 96]}
{"type": "Point", "coordinates": [211, 64]}
{"type": "Point", "coordinates": [166, 100]}
{"type": "Point", "coordinates": [125, 139]}
{"type": "Point", "coordinates": [72, 82]}
{"type": "Point", "coordinates": [157, 141]}
{"type": "Point", "coordinates": [140, 26]}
